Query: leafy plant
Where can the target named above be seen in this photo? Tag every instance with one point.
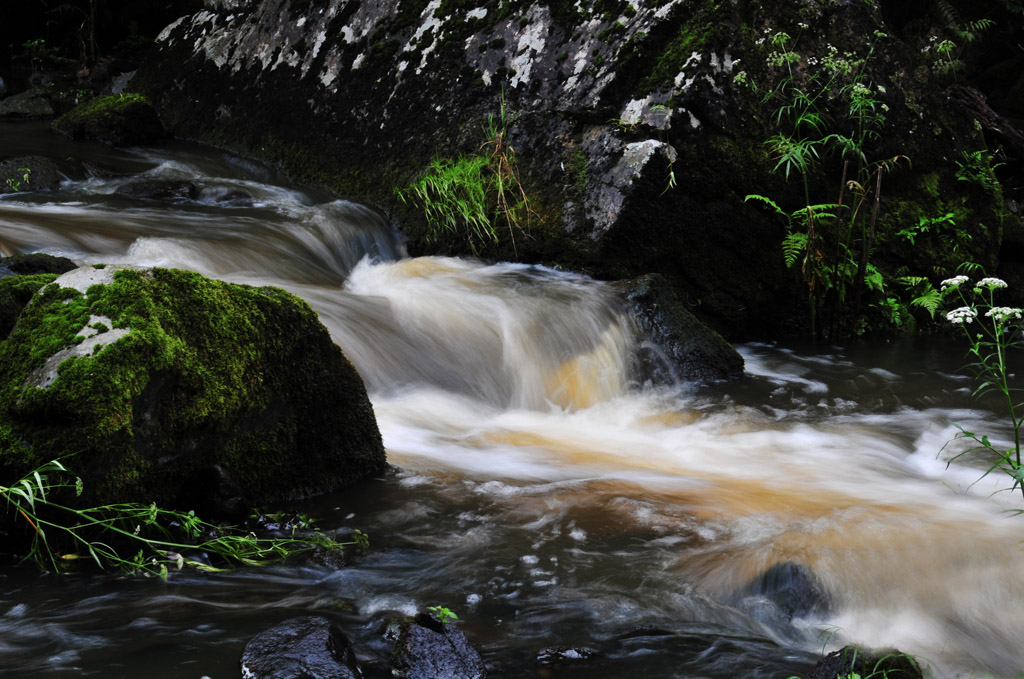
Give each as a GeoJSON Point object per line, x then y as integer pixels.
{"type": "Point", "coordinates": [977, 168]}
{"type": "Point", "coordinates": [21, 180]}
{"type": "Point", "coordinates": [469, 196]}
{"type": "Point", "coordinates": [998, 333]}
{"type": "Point", "coordinates": [442, 613]}
{"type": "Point", "coordinates": [138, 538]}
{"type": "Point", "coordinates": [828, 106]}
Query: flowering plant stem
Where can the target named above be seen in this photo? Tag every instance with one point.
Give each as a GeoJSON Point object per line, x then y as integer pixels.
{"type": "Point", "coordinates": [997, 334]}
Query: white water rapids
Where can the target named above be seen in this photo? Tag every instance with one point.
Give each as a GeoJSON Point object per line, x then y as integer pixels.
{"type": "Point", "coordinates": [509, 392]}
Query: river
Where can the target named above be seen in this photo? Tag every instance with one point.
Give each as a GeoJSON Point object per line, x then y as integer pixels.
{"type": "Point", "coordinates": [540, 490]}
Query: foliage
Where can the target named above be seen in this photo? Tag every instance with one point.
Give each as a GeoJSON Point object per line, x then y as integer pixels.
{"type": "Point", "coordinates": [442, 613]}
{"type": "Point", "coordinates": [948, 52]}
{"type": "Point", "coordinates": [977, 169]}
{"type": "Point", "coordinates": [21, 180]}
{"type": "Point", "coordinates": [471, 195]}
{"type": "Point", "coordinates": [828, 106]}
{"type": "Point", "coordinates": [137, 538]}
{"type": "Point", "coordinates": [998, 334]}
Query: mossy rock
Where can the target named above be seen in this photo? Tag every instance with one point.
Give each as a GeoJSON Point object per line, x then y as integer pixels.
{"type": "Point", "coordinates": [15, 293]}
{"type": "Point", "coordinates": [117, 119]}
{"type": "Point", "coordinates": [162, 385]}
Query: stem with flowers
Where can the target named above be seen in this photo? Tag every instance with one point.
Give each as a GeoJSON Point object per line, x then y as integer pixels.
{"type": "Point", "coordinates": [998, 332]}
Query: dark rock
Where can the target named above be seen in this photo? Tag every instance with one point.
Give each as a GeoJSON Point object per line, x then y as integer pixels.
{"type": "Point", "coordinates": [684, 347]}
{"type": "Point", "coordinates": [190, 392]}
{"type": "Point", "coordinates": [307, 647]}
{"type": "Point", "coordinates": [560, 654]}
{"type": "Point", "coordinates": [37, 262]}
{"type": "Point", "coordinates": [30, 104]}
{"type": "Point", "coordinates": [29, 173]}
{"type": "Point", "coordinates": [117, 119]}
{"type": "Point", "coordinates": [889, 664]}
{"type": "Point", "coordinates": [794, 590]}
{"type": "Point", "coordinates": [429, 649]}
{"type": "Point", "coordinates": [161, 190]}
{"type": "Point", "coordinates": [3, 87]}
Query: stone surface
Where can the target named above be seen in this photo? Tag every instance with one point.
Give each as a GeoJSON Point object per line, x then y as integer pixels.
{"type": "Point", "coordinates": [429, 649]}
{"type": "Point", "coordinates": [190, 392]}
{"type": "Point", "coordinates": [639, 129]}
{"type": "Point", "coordinates": [32, 103]}
{"type": "Point", "coordinates": [308, 647]}
{"type": "Point", "coordinates": [684, 348]}
{"type": "Point", "coordinates": [117, 119]}
{"type": "Point", "coordinates": [29, 173]}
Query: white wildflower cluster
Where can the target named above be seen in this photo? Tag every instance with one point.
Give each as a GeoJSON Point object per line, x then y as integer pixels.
{"type": "Point", "coordinates": [964, 314]}
{"type": "Point", "coordinates": [931, 43]}
{"type": "Point", "coordinates": [990, 283]}
{"type": "Point", "coordinates": [954, 282]}
{"type": "Point", "coordinates": [803, 26]}
{"type": "Point", "coordinates": [861, 90]}
{"type": "Point", "coordinates": [1001, 314]}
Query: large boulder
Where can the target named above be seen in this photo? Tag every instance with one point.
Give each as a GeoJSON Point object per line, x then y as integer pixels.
{"type": "Point", "coordinates": [639, 129]}
{"type": "Point", "coordinates": [116, 119]}
{"type": "Point", "coordinates": [167, 386]}
{"type": "Point", "coordinates": [29, 173]}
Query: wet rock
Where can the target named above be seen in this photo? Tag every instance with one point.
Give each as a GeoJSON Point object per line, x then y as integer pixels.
{"type": "Point", "coordinates": [31, 104]}
{"type": "Point", "coordinates": [117, 119]}
{"type": "Point", "coordinates": [793, 589]}
{"type": "Point", "coordinates": [308, 647]}
{"type": "Point", "coordinates": [190, 392]}
{"type": "Point", "coordinates": [849, 660]}
{"type": "Point", "coordinates": [684, 348]}
{"type": "Point", "coordinates": [37, 262]}
{"type": "Point", "coordinates": [29, 173]}
{"type": "Point", "coordinates": [160, 190]}
{"type": "Point", "coordinates": [564, 654]}
{"type": "Point", "coordinates": [3, 87]}
{"type": "Point", "coordinates": [429, 649]}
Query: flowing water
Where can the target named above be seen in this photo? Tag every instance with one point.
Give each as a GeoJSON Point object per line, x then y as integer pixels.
{"type": "Point", "coordinates": [541, 490]}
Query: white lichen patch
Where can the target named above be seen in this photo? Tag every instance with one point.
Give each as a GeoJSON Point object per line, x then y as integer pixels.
{"type": "Point", "coordinates": [83, 278]}
{"type": "Point", "coordinates": [478, 13]}
{"type": "Point", "coordinates": [531, 43]}
{"type": "Point", "coordinates": [93, 342]}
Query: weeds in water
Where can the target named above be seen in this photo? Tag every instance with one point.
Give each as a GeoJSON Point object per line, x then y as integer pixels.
{"type": "Point", "coordinates": [997, 333]}
{"type": "Point", "coordinates": [471, 195]}
{"type": "Point", "coordinates": [137, 538]}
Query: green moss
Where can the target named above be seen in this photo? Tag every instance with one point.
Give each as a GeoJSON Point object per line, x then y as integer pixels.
{"type": "Point", "coordinates": [118, 119]}
{"type": "Point", "coordinates": [209, 374]}
{"type": "Point", "coordinates": [15, 293]}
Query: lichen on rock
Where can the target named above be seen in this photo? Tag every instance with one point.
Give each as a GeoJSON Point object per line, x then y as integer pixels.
{"type": "Point", "coordinates": [166, 386]}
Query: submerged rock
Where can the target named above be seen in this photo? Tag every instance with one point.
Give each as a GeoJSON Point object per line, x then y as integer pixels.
{"type": "Point", "coordinates": [160, 190]}
{"type": "Point", "coordinates": [170, 387]}
{"type": "Point", "coordinates": [852, 660]}
{"type": "Point", "coordinates": [117, 119]}
{"type": "Point", "coordinates": [684, 348]}
{"type": "Point", "coordinates": [308, 647]}
{"type": "Point", "coordinates": [792, 589]}
{"type": "Point", "coordinates": [429, 649]}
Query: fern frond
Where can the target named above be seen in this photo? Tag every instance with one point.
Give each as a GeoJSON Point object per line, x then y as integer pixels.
{"type": "Point", "coordinates": [793, 245]}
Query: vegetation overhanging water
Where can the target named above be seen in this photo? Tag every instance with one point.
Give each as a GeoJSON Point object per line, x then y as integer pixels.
{"type": "Point", "coordinates": [541, 492]}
